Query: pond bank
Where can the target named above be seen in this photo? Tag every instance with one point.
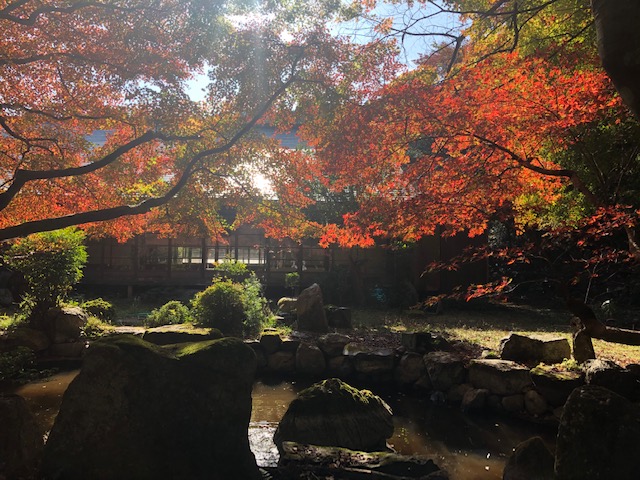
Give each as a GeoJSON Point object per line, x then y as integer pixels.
{"type": "Point", "coordinates": [469, 447]}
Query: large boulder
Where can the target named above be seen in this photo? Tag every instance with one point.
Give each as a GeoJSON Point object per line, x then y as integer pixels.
{"type": "Point", "coordinates": [66, 324]}
{"type": "Point", "coordinates": [310, 360]}
{"type": "Point", "coordinates": [136, 410]}
{"type": "Point", "coordinates": [339, 317]}
{"type": "Point", "coordinates": [534, 403]}
{"type": "Point", "coordinates": [287, 305]}
{"type": "Point", "coordinates": [423, 342]}
{"type": "Point", "coordinates": [608, 374]}
{"type": "Point", "coordinates": [474, 400]}
{"type": "Point", "coordinates": [531, 460]}
{"type": "Point", "coordinates": [281, 362]}
{"type": "Point", "coordinates": [410, 368]}
{"type": "Point", "coordinates": [271, 342]}
{"type": "Point", "coordinates": [554, 384]}
{"type": "Point", "coordinates": [170, 334]}
{"type": "Point", "coordinates": [20, 439]}
{"type": "Point", "coordinates": [598, 436]}
{"type": "Point", "coordinates": [333, 343]}
{"type": "Point", "coordinates": [31, 338]}
{"type": "Point", "coordinates": [261, 357]}
{"type": "Point", "coordinates": [555, 350]}
{"type": "Point", "coordinates": [311, 315]}
{"type": "Point", "coordinates": [501, 377]}
{"type": "Point", "coordinates": [332, 413]}
{"type": "Point", "coordinates": [68, 349]}
{"type": "Point", "coordinates": [375, 362]}
{"type": "Point", "coordinates": [340, 367]}
{"type": "Point", "coordinates": [521, 348]}
{"type": "Point", "coordinates": [445, 370]}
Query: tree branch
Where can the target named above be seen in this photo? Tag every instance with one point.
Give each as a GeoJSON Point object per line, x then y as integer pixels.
{"type": "Point", "coordinates": [145, 206]}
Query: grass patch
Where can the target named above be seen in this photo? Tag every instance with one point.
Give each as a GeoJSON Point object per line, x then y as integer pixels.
{"type": "Point", "coordinates": [488, 324]}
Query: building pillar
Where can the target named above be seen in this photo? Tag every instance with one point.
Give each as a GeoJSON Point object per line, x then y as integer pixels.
{"type": "Point", "coordinates": [203, 258]}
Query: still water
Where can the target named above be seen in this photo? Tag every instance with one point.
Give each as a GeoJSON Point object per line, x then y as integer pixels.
{"type": "Point", "coordinates": [469, 447]}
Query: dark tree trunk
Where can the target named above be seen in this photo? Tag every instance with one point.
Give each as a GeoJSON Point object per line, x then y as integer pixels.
{"type": "Point", "coordinates": [596, 329]}
{"type": "Point", "coordinates": [618, 28]}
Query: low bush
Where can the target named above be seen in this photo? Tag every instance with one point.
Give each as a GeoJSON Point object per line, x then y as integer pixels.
{"type": "Point", "coordinates": [100, 308]}
{"type": "Point", "coordinates": [220, 306]}
{"type": "Point", "coordinates": [234, 308]}
{"type": "Point", "coordinates": [18, 363]}
{"type": "Point", "coordinates": [96, 328]}
{"type": "Point", "coordinates": [170, 313]}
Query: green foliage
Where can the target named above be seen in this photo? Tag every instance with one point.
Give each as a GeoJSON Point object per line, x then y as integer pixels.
{"type": "Point", "coordinates": [292, 280]}
{"type": "Point", "coordinates": [232, 270]}
{"type": "Point", "coordinates": [255, 306]}
{"type": "Point", "coordinates": [170, 313]}
{"type": "Point", "coordinates": [234, 308]}
{"type": "Point", "coordinates": [100, 308]}
{"type": "Point", "coordinates": [17, 363]}
{"type": "Point", "coordinates": [9, 322]}
{"type": "Point", "coordinates": [220, 306]}
{"type": "Point", "coordinates": [51, 263]}
{"type": "Point", "coordinates": [96, 328]}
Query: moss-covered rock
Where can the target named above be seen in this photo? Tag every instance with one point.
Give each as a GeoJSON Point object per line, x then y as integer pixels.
{"type": "Point", "coordinates": [137, 410]}
{"type": "Point", "coordinates": [598, 436]}
{"type": "Point", "coordinates": [181, 333]}
{"type": "Point", "coordinates": [312, 461]}
{"type": "Point", "coordinates": [556, 384]}
{"type": "Point", "coordinates": [333, 413]}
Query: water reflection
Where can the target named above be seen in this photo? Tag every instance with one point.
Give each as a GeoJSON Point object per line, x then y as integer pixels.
{"type": "Point", "coordinates": [45, 396]}
{"type": "Point", "coordinates": [469, 447]}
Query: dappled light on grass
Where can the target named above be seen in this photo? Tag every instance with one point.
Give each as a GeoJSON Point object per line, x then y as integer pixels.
{"type": "Point", "coordinates": [488, 324]}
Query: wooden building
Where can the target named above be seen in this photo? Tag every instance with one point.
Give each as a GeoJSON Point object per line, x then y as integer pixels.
{"type": "Point", "coordinates": [149, 260]}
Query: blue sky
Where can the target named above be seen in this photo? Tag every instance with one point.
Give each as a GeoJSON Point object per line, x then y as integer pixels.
{"type": "Point", "coordinates": [412, 47]}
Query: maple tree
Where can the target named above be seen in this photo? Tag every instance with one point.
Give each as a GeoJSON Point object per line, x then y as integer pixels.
{"type": "Point", "coordinates": [530, 131]}
{"type": "Point", "coordinates": [72, 68]}
{"type": "Point", "coordinates": [457, 152]}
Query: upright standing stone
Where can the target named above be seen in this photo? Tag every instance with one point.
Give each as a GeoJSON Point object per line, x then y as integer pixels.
{"type": "Point", "coordinates": [583, 347]}
{"type": "Point", "coordinates": [311, 315]}
{"type": "Point", "coordinates": [136, 410]}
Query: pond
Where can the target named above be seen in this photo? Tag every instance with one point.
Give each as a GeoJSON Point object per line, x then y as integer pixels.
{"type": "Point", "coordinates": [469, 447]}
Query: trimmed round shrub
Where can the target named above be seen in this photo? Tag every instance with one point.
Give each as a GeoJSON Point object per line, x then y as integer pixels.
{"type": "Point", "coordinates": [221, 306]}
{"type": "Point", "coordinates": [100, 308]}
{"type": "Point", "coordinates": [170, 313]}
